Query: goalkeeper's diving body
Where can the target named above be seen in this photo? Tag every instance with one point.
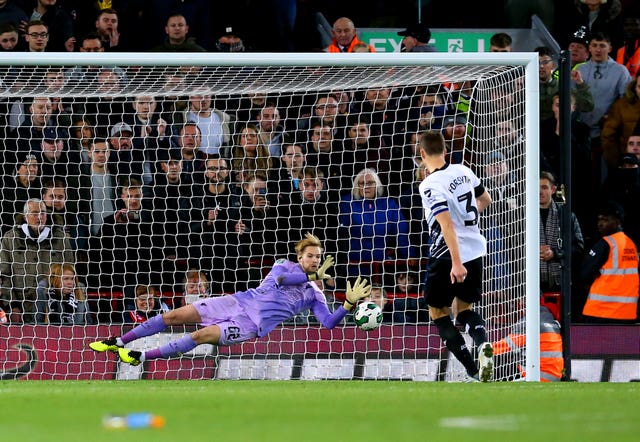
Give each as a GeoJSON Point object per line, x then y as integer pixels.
{"type": "Point", "coordinates": [287, 290]}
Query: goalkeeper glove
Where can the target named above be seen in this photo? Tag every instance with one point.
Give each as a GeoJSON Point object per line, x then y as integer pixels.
{"type": "Point", "coordinates": [360, 290]}
{"type": "Point", "coordinates": [321, 273]}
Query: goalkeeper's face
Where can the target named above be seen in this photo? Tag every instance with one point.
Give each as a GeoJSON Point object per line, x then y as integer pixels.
{"type": "Point", "coordinates": [310, 258]}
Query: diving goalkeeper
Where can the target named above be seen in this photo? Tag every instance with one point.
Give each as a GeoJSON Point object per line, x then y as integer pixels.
{"type": "Point", "coordinates": [286, 291]}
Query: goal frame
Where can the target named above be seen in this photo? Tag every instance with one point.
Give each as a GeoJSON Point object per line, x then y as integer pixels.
{"type": "Point", "coordinates": [529, 61]}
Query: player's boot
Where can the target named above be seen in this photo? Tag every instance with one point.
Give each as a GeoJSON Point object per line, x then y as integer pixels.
{"type": "Point", "coordinates": [129, 356]}
{"type": "Point", "coordinates": [470, 378]}
{"type": "Point", "coordinates": [105, 345]}
{"type": "Point", "coordinates": [485, 361]}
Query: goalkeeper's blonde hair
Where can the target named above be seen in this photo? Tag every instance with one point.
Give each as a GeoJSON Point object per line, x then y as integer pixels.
{"type": "Point", "coordinates": [309, 240]}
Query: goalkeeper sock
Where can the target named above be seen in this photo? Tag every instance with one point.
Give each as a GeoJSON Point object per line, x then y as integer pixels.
{"type": "Point", "coordinates": [455, 343]}
{"type": "Point", "coordinates": [177, 347]}
{"type": "Point", "coordinates": [474, 325]}
{"type": "Point", "coordinates": [147, 328]}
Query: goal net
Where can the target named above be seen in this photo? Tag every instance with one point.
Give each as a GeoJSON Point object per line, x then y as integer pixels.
{"type": "Point", "coordinates": [138, 183]}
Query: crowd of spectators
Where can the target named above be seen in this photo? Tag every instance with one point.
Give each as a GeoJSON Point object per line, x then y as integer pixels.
{"type": "Point", "coordinates": [145, 194]}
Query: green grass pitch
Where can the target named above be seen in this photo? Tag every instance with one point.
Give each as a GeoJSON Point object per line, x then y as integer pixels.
{"type": "Point", "coordinates": [72, 411]}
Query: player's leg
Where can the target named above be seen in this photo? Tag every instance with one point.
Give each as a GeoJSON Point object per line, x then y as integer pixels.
{"type": "Point", "coordinates": [467, 293]}
{"type": "Point", "coordinates": [439, 296]}
{"type": "Point", "coordinates": [206, 335]}
{"type": "Point", "coordinates": [181, 316]}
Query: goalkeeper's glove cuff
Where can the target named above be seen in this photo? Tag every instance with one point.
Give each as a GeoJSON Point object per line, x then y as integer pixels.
{"type": "Point", "coordinates": [348, 306]}
{"type": "Point", "coordinates": [312, 276]}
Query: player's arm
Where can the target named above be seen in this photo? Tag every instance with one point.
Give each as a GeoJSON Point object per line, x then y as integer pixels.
{"type": "Point", "coordinates": [483, 201]}
{"type": "Point", "coordinates": [356, 292]}
{"type": "Point", "coordinates": [458, 271]}
{"type": "Point", "coordinates": [296, 277]}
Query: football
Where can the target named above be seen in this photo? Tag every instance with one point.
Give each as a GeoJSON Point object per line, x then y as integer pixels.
{"type": "Point", "coordinates": [368, 316]}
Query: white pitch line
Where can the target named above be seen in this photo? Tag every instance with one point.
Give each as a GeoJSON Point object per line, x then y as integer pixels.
{"type": "Point", "coordinates": [498, 423]}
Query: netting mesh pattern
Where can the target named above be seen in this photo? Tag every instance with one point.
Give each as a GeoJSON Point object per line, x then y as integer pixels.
{"type": "Point", "coordinates": [163, 185]}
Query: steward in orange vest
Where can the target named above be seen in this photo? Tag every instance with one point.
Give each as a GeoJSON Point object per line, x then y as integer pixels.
{"type": "Point", "coordinates": [551, 361]}
{"type": "Point", "coordinates": [611, 270]}
{"type": "Point", "coordinates": [344, 37]}
{"type": "Point", "coordinates": [629, 56]}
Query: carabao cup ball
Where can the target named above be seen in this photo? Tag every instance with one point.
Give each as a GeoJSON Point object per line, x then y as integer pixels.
{"type": "Point", "coordinates": [368, 316]}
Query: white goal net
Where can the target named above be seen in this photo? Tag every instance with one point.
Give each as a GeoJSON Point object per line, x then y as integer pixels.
{"type": "Point", "coordinates": [137, 183]}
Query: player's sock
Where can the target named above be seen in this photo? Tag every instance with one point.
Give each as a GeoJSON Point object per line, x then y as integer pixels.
{"type": "Point", "coordinates": [147, 328]}
{"type": "Point", "coordinates": [177, 347]}
{"type": "Point", "coordinates": [455, 343]}
{"type": "Point", "coordinates": [474, 325]}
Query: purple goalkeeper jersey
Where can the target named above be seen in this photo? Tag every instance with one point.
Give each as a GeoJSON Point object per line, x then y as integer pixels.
{"type": "Point", "coordinates": [285, 292]}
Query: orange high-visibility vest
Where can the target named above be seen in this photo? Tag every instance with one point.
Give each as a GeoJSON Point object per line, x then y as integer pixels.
{"type": "Point", "coordinates": [633, 62]}
{"type": "Point", "coordinates": [551, 360]}
{"type": "Point", "coordinates": [614, 294]}
{"type": "Point", "coordinates": [334, 47]}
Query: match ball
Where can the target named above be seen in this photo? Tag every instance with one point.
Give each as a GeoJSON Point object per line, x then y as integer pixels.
{"type": "Point", "coordinates": [368, 316]}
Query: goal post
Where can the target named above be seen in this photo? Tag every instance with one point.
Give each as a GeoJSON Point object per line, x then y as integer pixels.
{"type": "Point", "coordinates": [488, 100]}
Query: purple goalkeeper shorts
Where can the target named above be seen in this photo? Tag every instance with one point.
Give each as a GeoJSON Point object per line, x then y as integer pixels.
{"type": "Point", "coordinates": [226, 313]}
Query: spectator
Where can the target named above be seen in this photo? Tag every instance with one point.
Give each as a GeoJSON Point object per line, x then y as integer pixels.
{"type": "Point", "coordinates": [18, 187]}
{"type": "Point", "coordinates": [58, 22]}
{"type": "Point", "coordinates": [26, 254]}
{"type": "Point", "coordinates": [64, 213]}
{"type": "Point", "coordinates": [249, 156]}
{"type": "Point", "coordinates": [610, 270]}
{"type": "Point", "coordinates": [290, 174]}
{"type": "Point", "coordinates": [149, 133]}
{"type": "Point", "coordinates": [189, 142]}
{"type": "Point", "coordinates": [599, 16]}
{"type": "Point", "coordinates": [325, 109]}
{"type": "Point", "coordinates": [623, 186]}
{"type": "Point", "coordinates": [315, 213]}
{"type": "Point", "coordinates": [107, 27]}
{"type": "Point", "coordinates": [455, 132]}
{"type": "Point", "coordinates": [270, 129]}
{"type": "Point", "coordinates": [416, 39]}
{"type": "Point", "coordinates": [579, 47]}
{"type": "Point", "coordinates": [177, 41]}
{"type": "Point", "coordinates": [360, 149]}
{"type": "Point", "coordinates": [629, 53]}
{"type": "Point", "coordinates": [109, 108]}
{"type": "Point", "coordinates": [377, 228]}
{"type": "Point", "coordinates": [170, 202]}
{"type": "Point", "coordinates": [321, 148]}
{"type": "Point", "coordinates": [213, 237]}
{"type": "Point", "coordinates": [258, 227]}
{"type": "Point", "coordinates": [12, 14]}
{"type": "Point", "coordinates": [607, 81]}
{"type": "Point", "coordinates": [500, 42]}
{"type": "Point", "coordinates": [97, 187]}
{"type": "Point", "coordinates": [585, 96]}
{"type": "Point", "coordinates": [622, 117]}
{"type": "Point", "coordinates": [124, 161]}
{"type": "Point", "coordinates": [122, 252]}
{"type": "Point", "coordinates": [580, 159]}
{"type": "Point", "coordinates": [344, 36]}
{"type": "Point", "coordinates": [230, 41]}
{"type": "Point", "coordinates": [196, 286]}
{"type": "Point", "coordinates": [27, 135]}
{"type": "Point", "coordinates": [37, 36]}
{"type": "Point", "coordinates": [379, 297]}
{"type": "Point", "coordinates": [9, 37]}
{"type": "Point", "coordinates": [551, 255]}
{"type": "Point", "coordinates": [62, 298]}
{"type": "Point", "coordinates": [381, 112]}
{"type": "Point", "coordinates": [214, 124]}
{"type": "Point", "coordinates": [405, 160]}
{"type": "Point", "coordinates": [81, 135]}
{"type": "Point", "coordinates": [55, 159]}
{"type": "Point", "coordinates": [411, 205]}
{"type": "Point", "coordinates": [147, 305]}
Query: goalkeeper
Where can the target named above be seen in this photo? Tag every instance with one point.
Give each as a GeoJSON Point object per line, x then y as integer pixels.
{"type": "Point", "coordinates": [286, 291]}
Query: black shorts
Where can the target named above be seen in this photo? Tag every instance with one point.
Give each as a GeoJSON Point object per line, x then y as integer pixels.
{"type": "Point", "coordinates": [439, 292]}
